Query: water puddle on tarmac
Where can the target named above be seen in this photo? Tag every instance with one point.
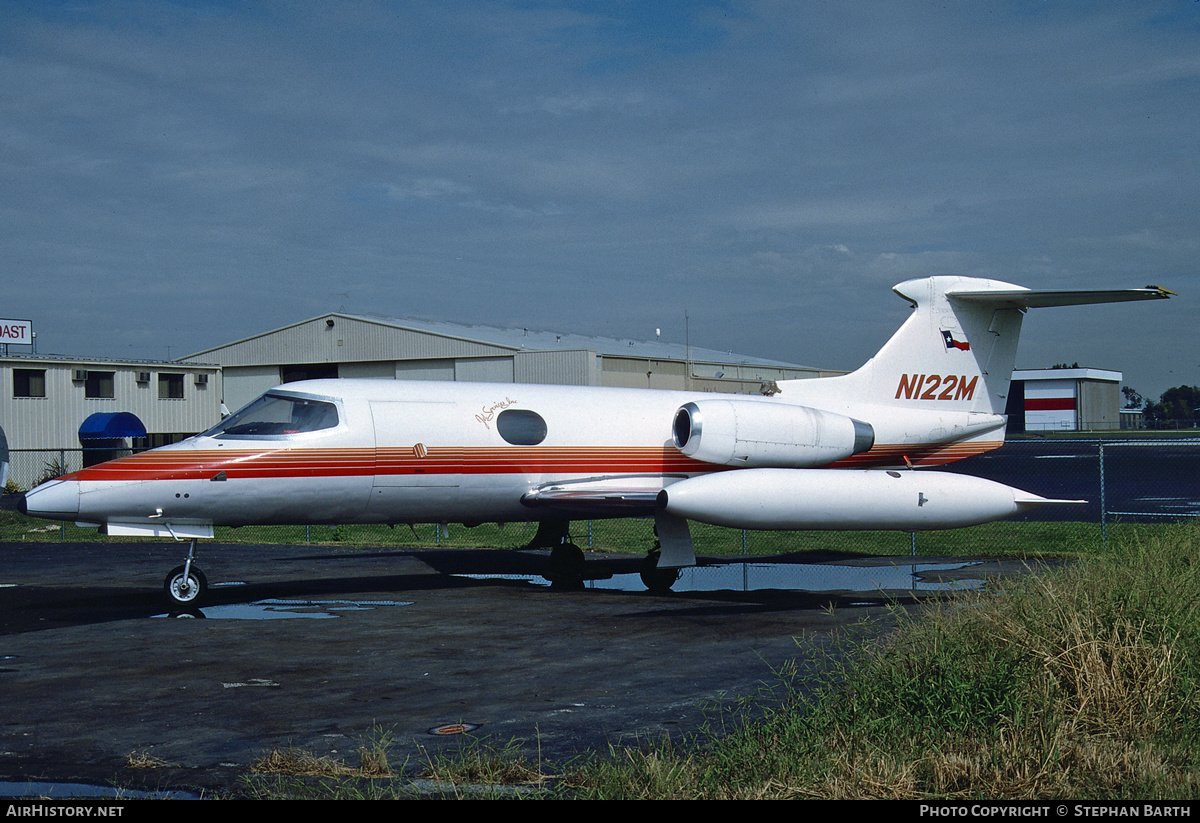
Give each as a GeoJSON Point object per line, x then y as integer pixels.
{"type": "Point", "coordinates": [284, 609]}
{"type": "Point", "coordinates": [59, 790]}
{"type": "Point", "coordinates": [809, 577]}
{"type": "Point", "coordinates": [740, 577]}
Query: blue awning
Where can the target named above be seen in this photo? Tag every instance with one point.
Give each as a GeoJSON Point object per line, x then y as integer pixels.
{"type": "Point", "coordinates": [111, 426]}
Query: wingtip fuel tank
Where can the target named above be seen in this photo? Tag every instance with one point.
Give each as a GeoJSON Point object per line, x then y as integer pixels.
{"type": "Point", "coordinates": [843, 499]}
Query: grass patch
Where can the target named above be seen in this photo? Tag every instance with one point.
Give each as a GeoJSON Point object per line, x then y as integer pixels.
{"type": "Point", "coordinates": [482, 763]}
{"type": "Point", "coordinates": [1079, 683]}
{"type": "Point", "coordinates": [636, 536]}
{"type": "Point", "coordinates": [373, 761]}
{"type": "Point", "coordinates": [293, 762]}
{"type": "Point", "coordinates": [145, 760]}
{"type": "Point", "coordinates": [480, 770]}
{"type": "Point", "coordinates": [485, 769]}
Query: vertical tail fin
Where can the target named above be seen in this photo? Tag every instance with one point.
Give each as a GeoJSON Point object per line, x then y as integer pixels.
{"type": "Point", "coordinates": [957, 349]}
{"type": "Point", "coordinates": [949, 354]}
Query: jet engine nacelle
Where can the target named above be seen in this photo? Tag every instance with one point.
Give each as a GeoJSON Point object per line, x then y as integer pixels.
{"type": "Point", "coordinates": [758, 434]}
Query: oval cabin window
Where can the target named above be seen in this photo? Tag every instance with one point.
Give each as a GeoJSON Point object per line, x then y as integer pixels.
{"type": "Point", "coordinates": [521, 427]}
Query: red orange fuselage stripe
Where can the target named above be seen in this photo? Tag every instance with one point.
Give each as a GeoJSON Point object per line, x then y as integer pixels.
{"type": "Point", "coordinates": [365, 462]}
{"type": "Point", "coordinates": [928, 454]}
{"type": "Point", "coordinates": [204, 465]}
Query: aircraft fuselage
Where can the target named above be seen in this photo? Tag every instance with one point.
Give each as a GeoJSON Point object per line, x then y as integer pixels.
{"type": "Point", "coordinates": [403, 452]}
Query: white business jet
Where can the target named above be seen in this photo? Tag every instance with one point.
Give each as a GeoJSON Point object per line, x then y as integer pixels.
{"type": "Point", "coordinates": [842, 452]}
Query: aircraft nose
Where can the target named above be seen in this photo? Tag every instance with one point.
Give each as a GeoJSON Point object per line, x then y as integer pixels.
{"type": "Point", "coordinates": [56, 500]}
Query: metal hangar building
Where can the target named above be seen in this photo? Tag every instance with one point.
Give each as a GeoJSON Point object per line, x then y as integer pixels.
{"type": "Point", "coordinates": [60, 412]}
{"type": "Point", "coordinates": [1074, 399]}
{"type": "Point", "coordinates": [350, 345]}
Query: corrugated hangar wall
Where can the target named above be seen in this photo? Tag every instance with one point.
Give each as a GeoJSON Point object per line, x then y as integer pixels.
{"type": "Point", "coordinates": [66, 394]}
{"type": "Point", "coordinates": [561, 368]}
{"type": "Point", "coordinates": [1099, 404]}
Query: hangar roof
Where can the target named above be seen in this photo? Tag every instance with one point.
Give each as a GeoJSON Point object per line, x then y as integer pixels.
{"type": "Point", "coordinates": [1077, 373]}
{"type": "Point", "coordinates": [18, 360]}
{"type": "Point", "coordinates": [530, 340]}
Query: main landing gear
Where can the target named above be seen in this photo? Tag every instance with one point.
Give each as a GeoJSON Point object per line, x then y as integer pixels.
{"type": "Point", "coordinates": [658, 581]}
{"type": "Point", "coordinates": [567, 567]}
{"type": "Point", "coordinates": [186, 584]}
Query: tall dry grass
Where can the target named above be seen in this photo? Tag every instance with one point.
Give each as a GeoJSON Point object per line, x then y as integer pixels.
{"type": "Point", "coordinates": [1081, 682]}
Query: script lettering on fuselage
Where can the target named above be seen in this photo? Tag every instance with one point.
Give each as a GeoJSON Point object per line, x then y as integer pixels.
{"type": "Point", "coordinates": [936, 387]}
{"type": "Point", "coordinates": [489, 412]}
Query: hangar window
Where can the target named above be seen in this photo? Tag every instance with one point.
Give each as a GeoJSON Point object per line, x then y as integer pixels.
{"type": "Point", "coordinates": [276, 414]}
{"type": "Point", "coordinates": [170, 387]}
{"type": "Point", "coordinates": [310, 371]}
{"type": "Point", "coordinates": [29, 382]}
{"type": "Point", "coordinates": [99, 384]}
{"type": "Point", "coordinates": [521, 427]}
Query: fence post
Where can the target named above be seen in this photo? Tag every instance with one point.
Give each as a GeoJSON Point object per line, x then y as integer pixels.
{"type": "Point", "coordinates": [914, 544]}
{"type": "Point", "coordinates": [1103, 506]}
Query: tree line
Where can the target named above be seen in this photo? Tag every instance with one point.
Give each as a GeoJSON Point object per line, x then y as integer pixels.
{"type": "Point", "coordinates": [1176, 408]}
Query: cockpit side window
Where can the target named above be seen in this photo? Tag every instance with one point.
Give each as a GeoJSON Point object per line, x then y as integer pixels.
{"type": "Point", "coordinates": [521, 427]}
{"type": "Point", "coordinates": [276, 414]}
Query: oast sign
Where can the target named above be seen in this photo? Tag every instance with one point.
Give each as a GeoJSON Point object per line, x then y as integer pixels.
{"type": "Point", "coordinates": [19, 332]}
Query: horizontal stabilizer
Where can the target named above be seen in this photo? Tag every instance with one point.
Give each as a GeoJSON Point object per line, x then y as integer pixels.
{"type": "Point", "coordinates": [1040, 299]}
{"type": "Point", "coordinates": [954, 353]}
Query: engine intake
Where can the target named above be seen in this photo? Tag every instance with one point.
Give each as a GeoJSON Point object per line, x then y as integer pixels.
{"type": "Point", "coordinates": [767, 434]}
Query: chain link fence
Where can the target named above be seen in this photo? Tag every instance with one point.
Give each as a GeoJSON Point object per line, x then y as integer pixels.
{"type": "Point", "coordinates": [1126, 483]}
{"type": "Point", "coordinates": [29, 467]}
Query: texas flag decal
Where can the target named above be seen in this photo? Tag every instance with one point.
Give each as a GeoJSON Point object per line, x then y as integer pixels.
{"type": "Point", "coordinates": [951, 343]}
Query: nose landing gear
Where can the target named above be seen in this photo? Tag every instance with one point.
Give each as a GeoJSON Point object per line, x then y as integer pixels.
{"type": "Point", "coordinates": [185, 585]}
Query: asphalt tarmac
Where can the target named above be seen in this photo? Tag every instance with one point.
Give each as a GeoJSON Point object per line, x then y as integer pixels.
{"type": "Point", "coordinates": [323, 649]}
{"type": "Point", "coordinates": [1137, 481]}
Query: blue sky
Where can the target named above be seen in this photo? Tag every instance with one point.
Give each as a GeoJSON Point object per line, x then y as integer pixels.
{"type": "Point", "coordinates": [176, 175]}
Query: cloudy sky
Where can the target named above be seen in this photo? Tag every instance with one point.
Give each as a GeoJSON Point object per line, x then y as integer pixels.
{"type": "Point", "coordinates": [177, 175]}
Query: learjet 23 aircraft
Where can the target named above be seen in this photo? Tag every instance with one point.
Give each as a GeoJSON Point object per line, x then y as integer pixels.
{"type": "Point", "coordinates": [831, 453]}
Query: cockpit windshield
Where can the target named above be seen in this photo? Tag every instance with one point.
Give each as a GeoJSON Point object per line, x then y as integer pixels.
{"type": "Point", "coordinates": [277, 414]}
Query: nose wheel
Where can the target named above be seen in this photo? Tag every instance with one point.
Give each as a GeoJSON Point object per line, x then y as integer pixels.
{"type": "Point", "coordinates": [185, 585]}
